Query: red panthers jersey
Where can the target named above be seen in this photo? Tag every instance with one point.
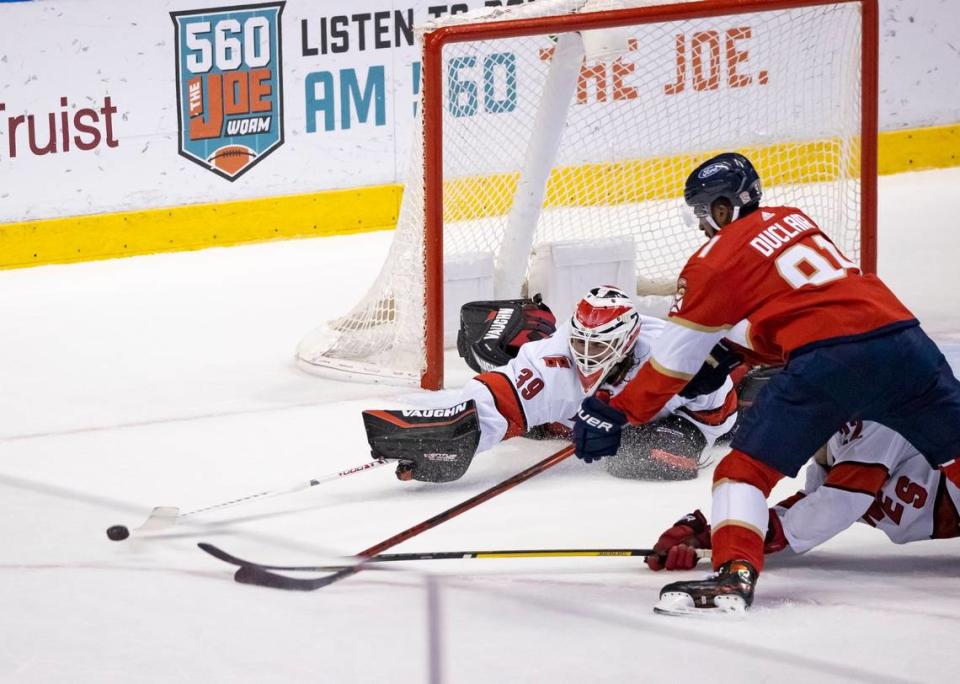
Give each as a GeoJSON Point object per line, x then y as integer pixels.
{"type": "Point", "coordinates": [772, 282]}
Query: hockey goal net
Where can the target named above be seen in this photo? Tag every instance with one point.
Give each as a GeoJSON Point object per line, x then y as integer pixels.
{"type": "Point", "coordinates": [580, 120]}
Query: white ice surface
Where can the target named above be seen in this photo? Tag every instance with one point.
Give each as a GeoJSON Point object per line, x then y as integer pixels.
{"type": "Point", "coordinates": [168, 380]}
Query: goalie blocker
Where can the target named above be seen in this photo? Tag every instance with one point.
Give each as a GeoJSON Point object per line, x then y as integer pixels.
{"type": "Point", "coordinates": [429, 445]}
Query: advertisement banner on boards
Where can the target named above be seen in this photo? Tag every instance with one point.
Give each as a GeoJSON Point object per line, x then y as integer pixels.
{"type": "Point", "coordinates": [229, 86]}
{"type": "Point", "coordinates": [108, 106]}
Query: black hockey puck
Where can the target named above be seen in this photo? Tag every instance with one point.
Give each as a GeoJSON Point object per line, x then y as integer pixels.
{"type": "Point", "coordinates": [118, 533]}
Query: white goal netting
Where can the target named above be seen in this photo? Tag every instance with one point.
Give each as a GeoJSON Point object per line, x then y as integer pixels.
{"type": "Point", "coordinates": [570, 136]}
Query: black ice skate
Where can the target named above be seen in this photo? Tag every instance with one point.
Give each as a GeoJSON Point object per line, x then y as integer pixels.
{"type": "Point", "coordinates": [729, 591]}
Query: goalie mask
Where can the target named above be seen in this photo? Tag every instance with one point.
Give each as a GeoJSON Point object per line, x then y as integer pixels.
{"type": "Point", "coordinates": [603, 331]}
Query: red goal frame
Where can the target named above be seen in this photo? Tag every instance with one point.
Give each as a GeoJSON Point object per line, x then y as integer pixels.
{"type": "Point", "coordinates": [432, 75]}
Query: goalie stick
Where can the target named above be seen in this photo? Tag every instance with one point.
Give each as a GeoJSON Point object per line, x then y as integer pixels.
{"type": "Point", "coordinates": [163, 517]}
{"type": "Point", "coordinates": [445, 555]}
{"type": "Point", "coordinates": [260, 575]}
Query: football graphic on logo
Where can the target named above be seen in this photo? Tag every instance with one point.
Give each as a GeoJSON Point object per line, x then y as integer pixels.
{"type": "Point", "coordinates": [232, 159]}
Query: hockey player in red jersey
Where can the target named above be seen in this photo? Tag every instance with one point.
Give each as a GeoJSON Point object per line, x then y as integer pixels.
{"type": "Point", "coordinates": [866, 473]}
{"type": "Point", "coordinates": [769, 279]}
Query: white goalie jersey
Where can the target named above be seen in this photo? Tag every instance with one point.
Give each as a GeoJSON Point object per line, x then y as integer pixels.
{"type": "Point", "coordinates": [541, 386]}
{"type": "Point", "coordinates": [877, 477]}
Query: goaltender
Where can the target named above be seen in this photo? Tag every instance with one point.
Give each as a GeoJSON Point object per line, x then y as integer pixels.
{"type": "Point", "coordinates": [535, 376]}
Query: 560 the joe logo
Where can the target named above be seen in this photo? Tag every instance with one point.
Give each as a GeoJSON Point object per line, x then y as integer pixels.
{"type": "Point", "coordinates": [229, 86]}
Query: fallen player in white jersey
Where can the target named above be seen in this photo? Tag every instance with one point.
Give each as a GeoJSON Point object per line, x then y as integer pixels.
{"type": "Point", "coordinates": [598, 351]}
{"type": "Point", "coordinates": [866, 473]}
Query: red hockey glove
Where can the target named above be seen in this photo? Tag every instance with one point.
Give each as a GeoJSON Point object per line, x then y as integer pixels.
{"type": "Point", "coordinates": [775, 540]}
{"type": "Point", "coordinates": [676, 549]}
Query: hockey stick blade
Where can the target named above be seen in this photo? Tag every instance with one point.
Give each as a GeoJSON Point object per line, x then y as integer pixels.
{"type": "Point", "coordinates": [259, 576]}
{"type": "Point", "coordinates": [160, 518]}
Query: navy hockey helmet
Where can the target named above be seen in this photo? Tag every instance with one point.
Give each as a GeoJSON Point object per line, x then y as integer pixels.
{"type": "Point", "coordinates": [730, 176]}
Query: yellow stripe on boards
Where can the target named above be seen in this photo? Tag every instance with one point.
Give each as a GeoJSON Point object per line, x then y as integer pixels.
{"type": "Point", "coordinates": [917, 149]}
{"type": "Point", "coordinates": [197, 226]}
{"type": "Point", "coordinates": [342, 212]}
{"type": "Point", "coordinates": [643, 180]}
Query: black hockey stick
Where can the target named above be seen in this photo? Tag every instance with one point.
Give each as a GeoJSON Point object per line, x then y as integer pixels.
{"type": "Point", "coordinates": [520, 553]}
{"type": "Point", "coordinates": [254, 573]}
{"type": "Point", "coordinates": [443, 555]}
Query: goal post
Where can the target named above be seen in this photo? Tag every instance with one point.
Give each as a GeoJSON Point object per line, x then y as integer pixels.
{"type": "Point", "coordinates": [526, 136]}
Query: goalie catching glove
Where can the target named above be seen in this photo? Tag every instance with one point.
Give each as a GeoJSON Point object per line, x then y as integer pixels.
{"type": "Point", "coordinates": [491, 332]}
{"type": "Point", "coordinates": [429, 445]}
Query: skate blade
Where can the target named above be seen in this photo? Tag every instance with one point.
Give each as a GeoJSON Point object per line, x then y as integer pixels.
{"type": "Point", "coordinates": [678, 604]}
